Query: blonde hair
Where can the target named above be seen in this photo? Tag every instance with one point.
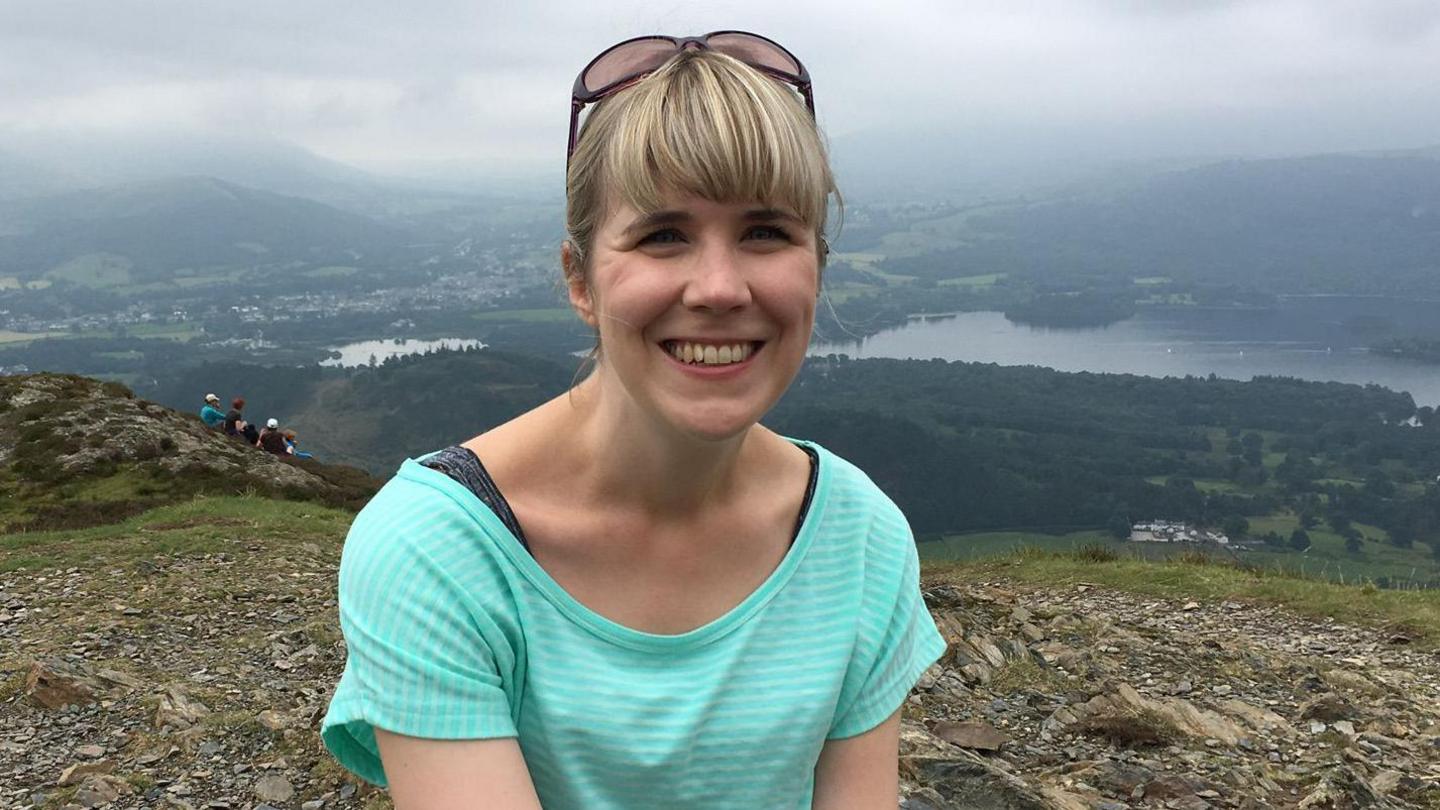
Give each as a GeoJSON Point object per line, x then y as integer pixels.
{"type": "Point", "coordinates": [706, 124]}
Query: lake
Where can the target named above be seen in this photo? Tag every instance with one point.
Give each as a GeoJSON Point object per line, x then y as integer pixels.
{"type": "Point", "coordinates": [1310, 337]}
{"type": "Point", "coordinates": [359, 354]}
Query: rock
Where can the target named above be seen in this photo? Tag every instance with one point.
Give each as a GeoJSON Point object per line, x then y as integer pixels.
{"type": "Point", "coordinates": [314, 804]}
{"type": "Point", "coordinates": [274, 788]}
{"type": "Point", "coordinates": [77, 772]}
{"type": "Point", "coordinates": [115, 676]}
{"type": "Point", "coordinates": [1327, 707]}
{"type": "Point", "coordinates": [273, 720]}
{"type": "Point", "coordinates": [55, 683]}
{"type": "Point", "coordinates": [99, 790]}
{"type": "Point", "coordinates": [978, 736]}
{"type": "Point", "coordinates": [177, 710]}
{"type": "Point", "coordinates": [1117, 777]}
{"type": "Point", "coordinates": [90, 751]}
{"type": "Point", "coordinates": [967, 781]}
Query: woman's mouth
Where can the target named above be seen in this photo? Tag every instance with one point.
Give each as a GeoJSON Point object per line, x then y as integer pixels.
{"type": "Point", "coordinates": [711, 354]}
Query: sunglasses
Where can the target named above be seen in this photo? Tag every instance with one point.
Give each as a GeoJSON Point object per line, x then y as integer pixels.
{"type": "Point", "coordinates": [620, 66]}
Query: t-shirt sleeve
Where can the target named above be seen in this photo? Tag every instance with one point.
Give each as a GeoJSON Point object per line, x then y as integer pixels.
{"type": "Point", "coordinates": [897, 640]}
{"type": "Point", "coordinates": [423, 657]}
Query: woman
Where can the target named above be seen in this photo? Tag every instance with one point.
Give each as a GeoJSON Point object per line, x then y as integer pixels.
{"type": "Point", "coordinates": [669, 605]}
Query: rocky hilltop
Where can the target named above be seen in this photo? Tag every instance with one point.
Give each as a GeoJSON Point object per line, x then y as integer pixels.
{"type": "Point", "coordinates": [184, 656]}
{"type": "Point", "coordinates": [76, 451]}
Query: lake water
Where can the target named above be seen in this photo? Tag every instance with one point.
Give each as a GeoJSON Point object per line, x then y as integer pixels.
{"type": "Point", "coordinates": [359, 354]}
{"type": "Point", "coordinates": [1313, 338]}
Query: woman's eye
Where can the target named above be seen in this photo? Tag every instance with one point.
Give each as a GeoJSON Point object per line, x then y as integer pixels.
{"type": "Point", "coordinates": [768, 232]}
{"type": "Point", "coordinates": [668, 236]}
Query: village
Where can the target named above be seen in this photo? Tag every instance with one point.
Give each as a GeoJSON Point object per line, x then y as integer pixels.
{"type": "Point", "coordinates": [1164, 531]}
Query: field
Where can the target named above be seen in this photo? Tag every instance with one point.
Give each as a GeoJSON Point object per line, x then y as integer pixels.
{"type": "Point", "coordinates": [99, 270]}
{"type": "Point", "coordinates": [7, 336]}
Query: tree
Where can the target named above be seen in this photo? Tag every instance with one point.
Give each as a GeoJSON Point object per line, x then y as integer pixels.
{"type": "Point", "coordinates": [1352, 543]}
{"type": "Point", "coordinates": [1119, 525]}
{"type": "Point", "coordinates": [1299, 540]}
{"type": "Point", "coordinates": [1235, 526]}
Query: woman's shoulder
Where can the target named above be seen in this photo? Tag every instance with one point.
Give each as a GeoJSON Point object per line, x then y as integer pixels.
{"type": "Point", "coordinates": [422, 511]}
{"type": "Point", "coordinates": [848, 483]}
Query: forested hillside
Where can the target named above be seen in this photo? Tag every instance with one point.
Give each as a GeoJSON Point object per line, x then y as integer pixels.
{"type": "Point", "coordinates": [963, 446]}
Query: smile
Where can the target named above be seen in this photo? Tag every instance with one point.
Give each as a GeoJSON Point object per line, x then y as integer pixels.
{"type": "Point", "coordinates": [711, 354]}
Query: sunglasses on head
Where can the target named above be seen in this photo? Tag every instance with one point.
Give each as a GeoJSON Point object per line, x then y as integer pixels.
{"type": "Point", "coordinates": [620, 66]}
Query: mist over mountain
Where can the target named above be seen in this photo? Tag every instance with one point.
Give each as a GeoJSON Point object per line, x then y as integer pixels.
{"type": "Point", "coordinates": [1326, 223]}
{"type": "Point", "coordinates": [149, 231]}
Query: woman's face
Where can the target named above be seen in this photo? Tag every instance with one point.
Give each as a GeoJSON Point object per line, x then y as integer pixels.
{"type": "Point", "coordinates": [704, 309]}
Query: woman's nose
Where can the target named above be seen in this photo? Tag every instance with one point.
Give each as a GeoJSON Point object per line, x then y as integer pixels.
{"type": "Point", "coordinates": [718, 283]}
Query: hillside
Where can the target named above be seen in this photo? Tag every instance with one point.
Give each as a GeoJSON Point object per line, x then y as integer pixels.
{"type": "Point", "coordinates": [1327, 223]}
{"type": "Point", "coordinates": [191, 227]}
{"type": "Point", "coordinates": [186, 656]}
{"type": "Point", "coordinates": [78, 452]}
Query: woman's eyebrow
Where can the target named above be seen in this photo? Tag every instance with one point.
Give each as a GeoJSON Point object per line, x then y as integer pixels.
{"type": "Point", "coordinates": [769, 215]}
{"type": "Point", "coordinates": [655, 219]}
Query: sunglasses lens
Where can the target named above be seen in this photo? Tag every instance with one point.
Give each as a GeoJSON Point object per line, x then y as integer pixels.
{"type": "Point", "coordinates": [755, 51]}
{"type": "Point", "coordinates": [627, 60]}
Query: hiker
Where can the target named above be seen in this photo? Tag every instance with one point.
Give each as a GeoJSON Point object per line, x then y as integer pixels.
{"type": "Point", "coordinates": [272, 438]}
{"type": "Point", "coordinates": [634, 595]}
{"type": "Point", "coordinates": [210, 413]}
{"type": "Point", "coordinates": [292, 446]}
{"type": "Point", "coordinates": [235, 424]}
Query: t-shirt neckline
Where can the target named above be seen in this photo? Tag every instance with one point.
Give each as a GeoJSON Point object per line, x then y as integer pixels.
{"type": "Point", "coordinates": [608, 629]}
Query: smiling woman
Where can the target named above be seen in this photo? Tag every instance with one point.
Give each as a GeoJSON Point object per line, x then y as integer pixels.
{"type": "Point", "coordinates": [669, 605]}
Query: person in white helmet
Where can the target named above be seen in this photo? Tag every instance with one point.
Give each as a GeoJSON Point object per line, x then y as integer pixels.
{"type": "Point", "coordinates": [272, 438]}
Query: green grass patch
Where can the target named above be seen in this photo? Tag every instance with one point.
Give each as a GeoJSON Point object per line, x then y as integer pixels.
{"type": "Point", "coordinates": [1416, 612]}
{"type": "Point", "coordinates": [97, 270]}
{"type": "Point", "coordinates": [1202, 484]}
{"type": "Point", "coordinates": [978, 545]}
{"type": "Point", "coordinates": [548, 315]}
{"type": "Point", "coordinates": [983, 280]}
{"type": "Point", "coordinates": [7, 336]}
{"type": "Point", "coordinates": [200, 526]}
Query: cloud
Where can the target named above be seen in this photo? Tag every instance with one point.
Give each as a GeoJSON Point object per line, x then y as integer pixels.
{"type": "Point", "coordinates": [465, 81]}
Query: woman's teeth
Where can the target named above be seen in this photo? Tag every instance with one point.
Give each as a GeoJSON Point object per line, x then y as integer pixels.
{"type": "Point", "coordinates": [708, 354]}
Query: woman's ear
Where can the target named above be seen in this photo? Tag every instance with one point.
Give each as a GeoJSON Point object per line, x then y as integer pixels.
{"type": "Point", "coordinates": [575, 285]}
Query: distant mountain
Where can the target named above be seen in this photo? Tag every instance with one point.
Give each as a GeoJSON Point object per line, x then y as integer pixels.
{"type": "Point", "coordinates": [1332, 223]}
{"type": "Point", "coordinates": [149, 232]}
{"type": "Point", "coordinates": [23, 177]}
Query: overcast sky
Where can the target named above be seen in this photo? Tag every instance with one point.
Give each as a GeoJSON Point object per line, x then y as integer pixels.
{"type": "Point", "coordinates": [383, 85]}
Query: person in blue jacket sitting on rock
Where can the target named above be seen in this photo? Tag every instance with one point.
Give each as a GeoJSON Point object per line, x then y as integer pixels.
{"type": "Point", "coordinates": [211, 414]}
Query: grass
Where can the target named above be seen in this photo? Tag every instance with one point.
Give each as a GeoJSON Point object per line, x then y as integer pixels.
{"type": "Point", "coordinates": [1023, 674]}
{"type": "Point", "coordinates": [6, 336]}
{"type": "Point", "coordinates": [984, 280]}
{"type": "Point", "coordinates": [198, 526]}
{"type": "Point", "coordinates": [98, 270]}
{"type": "Point", "coordinates": [990, 544]}
{"type": "Point", "coordinates": [1417, 612]}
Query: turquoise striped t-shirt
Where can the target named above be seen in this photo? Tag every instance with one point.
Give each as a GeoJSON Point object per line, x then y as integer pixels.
{"type": "Point", "coordinates": [455, 632]}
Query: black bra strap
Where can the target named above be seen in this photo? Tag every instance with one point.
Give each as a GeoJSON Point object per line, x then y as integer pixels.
{"type": "Point", "coordinates": [462, 465]}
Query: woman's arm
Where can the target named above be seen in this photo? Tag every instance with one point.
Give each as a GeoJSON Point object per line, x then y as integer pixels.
{"type": "Point", "coordinates": [860, 772]}
{"type": "Point", "coordinates": [443, 774]}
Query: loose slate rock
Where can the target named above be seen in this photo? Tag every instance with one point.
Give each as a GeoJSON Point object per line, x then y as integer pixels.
{"type": "Point", "coordinates": [274, 788]}
{"type": "Point", "coordinates": [977, 736]}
